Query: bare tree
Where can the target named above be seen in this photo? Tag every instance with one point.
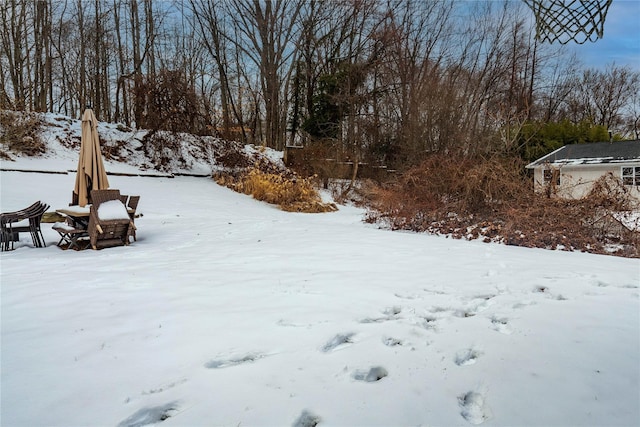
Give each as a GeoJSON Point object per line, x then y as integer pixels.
{"type": "Point", "coordinates": [211, 27]}
{"type": "Point", "coordinates": [14, 36]}
{"type": "Point", "coordinates": [267, 29]}
{"type": "Point", "coordinates": [607, 92]}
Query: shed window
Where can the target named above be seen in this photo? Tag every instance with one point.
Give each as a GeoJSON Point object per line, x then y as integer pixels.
{"type": "Point", "coordinates": [631, 175]}
{"type": "Point", "coordinates": [552, 175]}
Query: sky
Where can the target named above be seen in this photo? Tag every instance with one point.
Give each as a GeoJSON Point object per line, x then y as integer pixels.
{"type": "Point", "coordinates": [621, 41]}
{"type": "Point", "coordinates": [227, 311]}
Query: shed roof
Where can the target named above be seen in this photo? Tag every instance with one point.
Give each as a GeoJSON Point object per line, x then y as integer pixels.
{"type": "Point", "coordinates": [593, 153]}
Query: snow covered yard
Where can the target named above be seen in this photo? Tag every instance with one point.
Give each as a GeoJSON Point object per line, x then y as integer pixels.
{"type": "Point", "coordinates": [227, 311]}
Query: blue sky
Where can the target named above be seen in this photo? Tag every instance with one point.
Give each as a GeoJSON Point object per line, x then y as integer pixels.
{"type": "Point", "coordinates": [621, 41]}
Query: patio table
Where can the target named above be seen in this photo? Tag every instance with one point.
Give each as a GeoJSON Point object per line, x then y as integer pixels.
{"type": "Point", "coordinates": [75, 228]}
{"type": "Point", "coordinates": [77, 214]}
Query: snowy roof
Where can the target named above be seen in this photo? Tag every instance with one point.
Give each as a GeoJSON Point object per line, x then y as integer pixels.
{"type": "Point", "coordinates": [594, 153]}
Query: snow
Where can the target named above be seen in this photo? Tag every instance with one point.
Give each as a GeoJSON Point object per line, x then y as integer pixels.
{"type": "Point", "coordinates": [590, 161]}
{"type": "Point", "coordinates": [631, 220]}
{"type": "Point", "coordinates": [228, 311]}
{"type": "Point", "coordinates": [112, 209]}
{"type": "Point", "coordinates": [75, 209]}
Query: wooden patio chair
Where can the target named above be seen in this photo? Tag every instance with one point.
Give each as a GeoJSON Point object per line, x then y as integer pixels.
{"type": "Point", "coordinates": [112, 229]}
{"type": "Point", "coordinates": [70, 236]}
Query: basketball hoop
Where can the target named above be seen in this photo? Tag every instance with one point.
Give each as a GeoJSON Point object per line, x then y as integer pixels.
{"type": "Point", "coordinates": [569, 20]}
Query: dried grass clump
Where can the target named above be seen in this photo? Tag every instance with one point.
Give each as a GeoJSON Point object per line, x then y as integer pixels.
{"type": "Point", "coordinates": [20, 133]}
{"type": "Point", "coordinates": [290, 193]}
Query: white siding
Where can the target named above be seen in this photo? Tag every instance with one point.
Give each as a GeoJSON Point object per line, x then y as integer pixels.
{"type": "Point", "coordinates": [576, 180]}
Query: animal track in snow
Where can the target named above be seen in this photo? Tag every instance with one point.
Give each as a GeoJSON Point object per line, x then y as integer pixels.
{"type": "Point", "coordinates": [464, 313]}
{"type": "Point", "coordinates": [339, 340]}
{"type": "Point", "coordinates": [391, 342]}
{"type": "Point", "coordinates": [148, 416]}
{"type": "Point", "coordinates": [467, 357]}
{"type": "Point", "coordinates": [390, 313]}
{"type": "Point", "coordinates": [225, 363]}
{"type": "Point", "coordinates": [474, 407]}
{"type": "Point", "coordinates": [307, 419]}
{"type": "Point", "coordinates": [429, 322]}
{"type": "Point", "coordinates": [546, 291]}
{"type": "Point", "coordinates": [376, 373]}
{"type": "Point", "coordinates": [470, 310]}
{"type": "Point", "coordinates": [501, 325]}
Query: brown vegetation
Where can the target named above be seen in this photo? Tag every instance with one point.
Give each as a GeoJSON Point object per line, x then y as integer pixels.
{"type": "Point", "coordinates": [20, 133]}
{"type": "Point", "coordinates": [290, 194]}
{"type": "Point", "coordinates": [268, 182]}
{"type": "Point", "coordinates": [489, 199]}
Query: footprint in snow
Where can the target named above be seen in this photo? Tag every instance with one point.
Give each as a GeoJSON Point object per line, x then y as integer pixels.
{"type": "Point", "coordinates": [546, 291]}
{"type": "Point", "coordinates": [467, 357]}
{"type": "Point", "coordinates": [501, 325]}
{"type": "Point", "coordinates": [391, 342]}
{"type": "Point", "coordinates": [225, 363]}
{"type": "Point", "coordinates": [474, 408]}
{"type": "Point", "coordinates": [148, 416]}
{"type": "Point", "coordinates": [407, 296]}
{"type": "Point", "coordinates": [390, 313]}
{"type": "Point", "coordinates": [429, 322]}
{"type": "Point", "coordinates": [372, 375]}
{"type": "Point", "coordinates": [307, 419]}
{"type": "Point", "coordinates": [339, 341]}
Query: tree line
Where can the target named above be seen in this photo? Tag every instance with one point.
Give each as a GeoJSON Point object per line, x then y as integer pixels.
{"type": "Point", "coordinates": [385, 81]}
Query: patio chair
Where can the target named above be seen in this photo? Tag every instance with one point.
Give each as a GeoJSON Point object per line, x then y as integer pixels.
{"type": "Point", "coordinates": [99, 196]}
{"type": "Point", "coordinates": [70, 236]}
{"type": "Point", "coordinates": [109, 222]}
{"type": "Point", "coordinates": [26, 220]}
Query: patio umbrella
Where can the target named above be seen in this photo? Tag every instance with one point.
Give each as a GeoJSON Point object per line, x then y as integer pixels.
{"type": "Point", "coordinates": [91, 173]}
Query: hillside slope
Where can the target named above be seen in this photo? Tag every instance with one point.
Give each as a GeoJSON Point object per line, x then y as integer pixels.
{"type": "Point", "coordinates": [124, 150]}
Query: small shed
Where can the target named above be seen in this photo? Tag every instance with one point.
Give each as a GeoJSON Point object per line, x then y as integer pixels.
{"type": "Point", "coordinates": [573, 169]}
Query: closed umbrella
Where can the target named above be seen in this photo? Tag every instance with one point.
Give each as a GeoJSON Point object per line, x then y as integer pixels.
{"type": "Point", "coordinates": [91, 173]}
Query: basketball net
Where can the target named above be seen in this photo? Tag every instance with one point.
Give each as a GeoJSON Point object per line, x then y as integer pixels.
{"type": "Point", "coordinates": [569, 20]}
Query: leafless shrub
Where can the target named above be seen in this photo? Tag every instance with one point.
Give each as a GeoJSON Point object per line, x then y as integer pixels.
{"type": "Point", "coordinates": [113, 149]}
{"type": "Point", "coordinates": [171, 103]}
{"type": "Point", "coordinates": [609, 193]}
{"type": "Point", "coordinates": [161, 147]}
{"type": "Point", "coordinates": [230, 155]}
{"type": "Point", "coordinates": [20, 133]}
{"type": "Point", "coordinates": [489, 199]}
